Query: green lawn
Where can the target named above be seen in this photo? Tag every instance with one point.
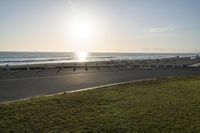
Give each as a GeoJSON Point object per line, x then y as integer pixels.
{"type": "Point", "coordinates": [165, 105]}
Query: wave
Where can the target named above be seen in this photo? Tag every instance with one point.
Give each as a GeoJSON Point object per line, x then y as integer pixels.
{"type": "Point", "coordinates": [20, 58]}
{"type": "Point", "coordinates": [32, 60]}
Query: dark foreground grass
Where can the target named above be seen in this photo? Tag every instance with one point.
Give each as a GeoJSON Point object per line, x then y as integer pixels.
{"type": "Point", "coordinates": [165, 105]}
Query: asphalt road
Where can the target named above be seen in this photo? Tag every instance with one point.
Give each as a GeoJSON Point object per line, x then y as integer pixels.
{"type": "Point", "coordinates": [17, 85]}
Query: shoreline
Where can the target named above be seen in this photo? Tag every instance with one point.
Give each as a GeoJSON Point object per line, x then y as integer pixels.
{"type": "Point", "coordinates": [165, 62]}
{"type": "Point", "coordinates": [38, 58]}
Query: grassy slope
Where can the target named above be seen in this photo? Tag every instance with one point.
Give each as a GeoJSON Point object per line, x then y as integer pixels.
{"type": "Point", "coordinates": [171, 105]}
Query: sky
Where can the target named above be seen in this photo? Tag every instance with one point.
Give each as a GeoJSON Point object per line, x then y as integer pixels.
{"type": "Point", "coordinates": [162, 26]}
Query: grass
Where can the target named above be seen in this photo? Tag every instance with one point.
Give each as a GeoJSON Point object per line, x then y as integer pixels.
{"type": "Point", "coordinates": [161, 106]}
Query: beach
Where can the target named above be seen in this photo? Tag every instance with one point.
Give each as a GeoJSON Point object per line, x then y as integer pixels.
{"type": "Point", "coordinates": [20, 82]}
{"type": "Point", "coordinates": [100, 66]}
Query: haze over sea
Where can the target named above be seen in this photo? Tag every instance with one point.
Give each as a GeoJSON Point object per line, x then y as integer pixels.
{"type": "Point", "coordinates": [21, 58]}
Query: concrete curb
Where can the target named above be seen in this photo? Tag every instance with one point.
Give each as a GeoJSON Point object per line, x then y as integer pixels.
{"type": "Point", "coordinates": [90, 88]}
{"type": "Point", "coordinates": [80, 90]}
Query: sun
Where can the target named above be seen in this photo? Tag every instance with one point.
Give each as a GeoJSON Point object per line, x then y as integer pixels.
{"type": "Point", "coordinates": [81, 29]}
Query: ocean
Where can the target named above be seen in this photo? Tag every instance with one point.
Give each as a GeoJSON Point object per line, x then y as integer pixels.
{"type": "Point", "coordinates": [21, 58]}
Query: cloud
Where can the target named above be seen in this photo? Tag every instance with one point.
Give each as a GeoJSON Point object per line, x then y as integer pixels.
{"type": "Point", "coordinates": [158, 30]}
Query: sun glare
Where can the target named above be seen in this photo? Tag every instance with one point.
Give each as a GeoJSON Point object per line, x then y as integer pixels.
{"type": "Point", "coordinates": [81, 29]}
{"type": "Point", "coordinates": [82, 32]}
{"type": "Point", "coordinates": [82, 56]}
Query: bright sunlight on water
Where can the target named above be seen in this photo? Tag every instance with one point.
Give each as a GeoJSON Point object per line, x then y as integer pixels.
{"type": "Point", "coordinates": [82, 56]}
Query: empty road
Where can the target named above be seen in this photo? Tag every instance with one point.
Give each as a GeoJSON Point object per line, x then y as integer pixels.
{"type": "Point", "coordinates": [16, 85]}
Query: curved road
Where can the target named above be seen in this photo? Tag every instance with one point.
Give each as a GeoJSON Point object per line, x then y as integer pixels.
{"type": "Point", "coordinates": [23, 84]}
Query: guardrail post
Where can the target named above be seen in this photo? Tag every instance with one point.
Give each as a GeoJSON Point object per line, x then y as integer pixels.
{"type": "Point", "coordinates": [7, 67]}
